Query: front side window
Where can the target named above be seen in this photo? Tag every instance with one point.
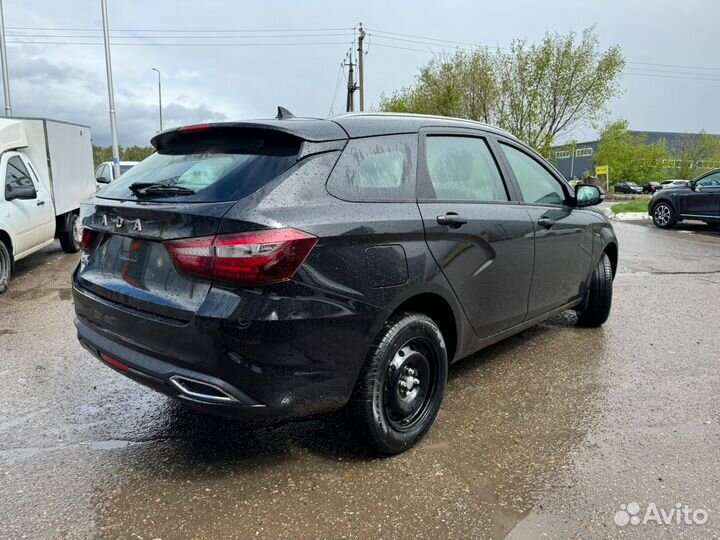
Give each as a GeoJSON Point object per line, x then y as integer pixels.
{"type": "Point", "coordinates": [17, 175]}
{"type": "Point", "coordinates": [376, 169]}
{"type": "Point", "coordinates": [463, 169]}
{"type": "Point", "coordinates": [710, 181]}
{"type": "Point", "coordinates": [537, 185]}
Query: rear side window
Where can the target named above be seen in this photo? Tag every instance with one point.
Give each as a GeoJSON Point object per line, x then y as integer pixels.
{"type": "Point", "coordinates": [376, 169]}
{"type": "Point", "coordinates": [207, 168]}
{"type": "Point", "coordinates": [463, 169]}
{"type": "Point", "coordinates": [537, 185]}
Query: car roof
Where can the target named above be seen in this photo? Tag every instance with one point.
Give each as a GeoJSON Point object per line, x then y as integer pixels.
{"type": "Point", "coordinates": [364, 124]}
{"type": "Point", "coordinates": [350, 125]}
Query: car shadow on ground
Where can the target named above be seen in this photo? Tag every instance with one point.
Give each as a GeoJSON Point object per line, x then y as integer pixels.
{"type": "Point", "coordinates": [216, 440]}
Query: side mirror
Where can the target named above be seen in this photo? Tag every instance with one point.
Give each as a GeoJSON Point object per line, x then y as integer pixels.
{"type": "Point", "coordinates": [588, 195]}
{"type": "Point", "coordinates": [20, 192]}
{"type": "Point", "coordinates": [102, 180]}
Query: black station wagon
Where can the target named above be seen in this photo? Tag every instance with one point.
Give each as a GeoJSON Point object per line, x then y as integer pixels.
{"type": "Point", "coordinates": [282, 268]}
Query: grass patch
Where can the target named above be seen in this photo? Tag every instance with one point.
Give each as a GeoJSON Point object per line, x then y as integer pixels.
{"type": "Point", "coordinates": [630, 206]}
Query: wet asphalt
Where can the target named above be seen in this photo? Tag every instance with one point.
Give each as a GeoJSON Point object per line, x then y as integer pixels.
{"type": "Point", "coordinates": [542, 436]}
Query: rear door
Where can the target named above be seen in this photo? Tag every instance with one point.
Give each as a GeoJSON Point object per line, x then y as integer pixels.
{"type": "Point", "coordinates": [563, 233]}
{"type": "Point", "coordinates": [480, 238]}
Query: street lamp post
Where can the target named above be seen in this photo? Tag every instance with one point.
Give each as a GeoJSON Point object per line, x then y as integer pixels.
{"type": "Point", "coordinates": [159, 96]}
{"type": "Point", "coordinates": [111, 91]}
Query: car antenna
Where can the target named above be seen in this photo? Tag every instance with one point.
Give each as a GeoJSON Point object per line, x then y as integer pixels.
{"type": "Point", "coordinates": [284, 114]}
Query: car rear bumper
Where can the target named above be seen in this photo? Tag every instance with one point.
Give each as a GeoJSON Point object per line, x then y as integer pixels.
{"type": "Point", "coordinates": [258, 363]}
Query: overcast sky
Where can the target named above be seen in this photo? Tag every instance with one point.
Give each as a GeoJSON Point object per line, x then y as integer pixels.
{"type": "Point", "coordinates": [202, 83]}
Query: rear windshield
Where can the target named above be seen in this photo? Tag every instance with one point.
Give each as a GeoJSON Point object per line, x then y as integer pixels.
{"type": "Point", "coordinates": [206, 169]}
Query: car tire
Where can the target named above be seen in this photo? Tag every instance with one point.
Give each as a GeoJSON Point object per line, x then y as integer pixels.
{"type": "Point", "coordinates": [597, 304]}
{"type": "Point", "coordinates": [401, 385]}
{"type": "Point", "coordinates": [5, 267]}
{"type": "Point", "coordinates": [663, 215]}
{"type": "Point", "coordinates": [71, 239]}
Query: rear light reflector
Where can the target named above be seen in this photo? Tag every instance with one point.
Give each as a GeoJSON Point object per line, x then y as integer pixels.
{"type": "Point", "coordinates": [117, 364]}
{"type": "Point", "coordinates": [88, 239]}
{"type": "Point", "coordinates": [258, 257]}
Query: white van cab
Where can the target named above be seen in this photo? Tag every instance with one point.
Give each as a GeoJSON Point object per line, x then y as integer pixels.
{"type": "Point", "coordinates": [46, 168]}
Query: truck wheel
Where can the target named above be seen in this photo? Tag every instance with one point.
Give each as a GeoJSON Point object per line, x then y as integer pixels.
{"type": "Point", "coordinates": [599, 297]}
{"type": "Point", "coordinates": [5, 267]}
{"type": "Point", "coordinates": [401, 385]}
{"type": "Point", "coordinates": [70, 240]}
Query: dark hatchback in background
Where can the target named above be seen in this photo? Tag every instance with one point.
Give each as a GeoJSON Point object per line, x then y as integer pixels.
{"type": "Point", "coordinates": [628, 187]}
{"type": "Point", "coordinates": [282, 268]}
{"type": "Point", "coordinates": [697, 200]}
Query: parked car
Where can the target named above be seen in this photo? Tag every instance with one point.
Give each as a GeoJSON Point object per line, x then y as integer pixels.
{"type": "Point", "coordinates": [628, 187]}
{"type": "Point", "coordinates": [105, 172]}
{"type": "Point", "coordinates": [47, 172]}
{"type": "Point", "coordinates": [282, 268]}
{"type": "Point", "coordinates": [673, 184]}
{"type": "Point", "coordinates": [650, 187]}
{"type": "Point", "coordinates": [699, 199]}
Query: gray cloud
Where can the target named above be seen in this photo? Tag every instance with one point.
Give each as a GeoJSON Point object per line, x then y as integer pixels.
{"type": "Point", "coordinates": [218, 83]}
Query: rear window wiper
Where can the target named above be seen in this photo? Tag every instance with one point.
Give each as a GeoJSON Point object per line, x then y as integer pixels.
{"type": "Point", "coordinates": [156, 188]}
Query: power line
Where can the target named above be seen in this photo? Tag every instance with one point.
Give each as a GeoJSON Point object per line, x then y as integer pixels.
{"type": "Point", "coordinates": [179, 44]}
{"type": "Point", "coordinates": [676, 66]}
{"type": "Point", "coordinates": [76, 36]}
{"type": "Point", "coordinates": [671, 76]}
{"type": "Point", "coordinates": [185, 31]}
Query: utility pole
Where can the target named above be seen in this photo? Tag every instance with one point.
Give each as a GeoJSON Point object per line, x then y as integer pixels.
{"type": "Point", "coordinates": [3, 59]}
{"type": "Point", "coordinates": [350, 107]}
{"type": "Point", "coordinates": [159, 96]}
{"type": "Point", "coordinates": [361, 68]}
{"type": "Point", "coordinates": [111, 92]}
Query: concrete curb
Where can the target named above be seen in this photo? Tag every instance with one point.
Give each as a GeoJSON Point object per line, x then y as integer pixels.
{"type": "Point", "coordinates": [628, 216]}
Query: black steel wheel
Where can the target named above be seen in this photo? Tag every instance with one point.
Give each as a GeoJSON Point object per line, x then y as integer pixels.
{"type": "Point", "coordinates": [5, 267]}
{"type": "Point", "coordinates": [401, 385]}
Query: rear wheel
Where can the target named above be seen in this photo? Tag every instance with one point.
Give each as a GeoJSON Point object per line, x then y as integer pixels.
{"type": "Point", "coordinates": [5, 267]}
{"type": "Point", "coordinates": [596, 308]}
{"type": "Point", "coordinates": [401, 385]}
{"type": "Point", "coordinates": [70, 240]}
{"type": "Point", "coordinates": [664, 215]}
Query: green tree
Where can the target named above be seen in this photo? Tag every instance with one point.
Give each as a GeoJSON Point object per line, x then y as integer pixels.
{"type": "Point", "coordinates": [131, 153]}
{"type": "Point", "coordinates": [535, 91]}
{"type": "Point", "coordinates": [629, 156]}
{"type": "Point", "coordinates": [697, 153]}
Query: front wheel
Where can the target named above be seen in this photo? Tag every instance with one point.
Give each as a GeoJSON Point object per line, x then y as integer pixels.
{"type": "Point", "coordinates": [595, 309]}
{"type": "Point", "coordinates": [5, 267]}
{"type": "Point", "coordinates": [401, 385]}
{"type": "Point", "coordinates": [70, 240]}
{"type": "Point", "coordinates": [663, 215]}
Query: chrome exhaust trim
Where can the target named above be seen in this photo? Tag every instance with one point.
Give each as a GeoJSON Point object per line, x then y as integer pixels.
{"type": "Point", "coordinates": [218, 396]}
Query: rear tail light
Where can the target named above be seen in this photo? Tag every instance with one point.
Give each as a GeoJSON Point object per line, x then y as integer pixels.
{"type": "Point", "coordinates": [267, 256]}
{"type": "Point", "coordinates": [88, 239]}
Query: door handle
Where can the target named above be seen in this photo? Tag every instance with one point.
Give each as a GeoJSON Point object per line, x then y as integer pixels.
{"type": "Point", "coordinates": [40, 203]}
{"type": "Point", "coordinates": [451, 219]}
{"type": "Point", "coordinates": [546, 222]}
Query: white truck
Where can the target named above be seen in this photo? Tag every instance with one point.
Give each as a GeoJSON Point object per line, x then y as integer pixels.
{"type": "Point", "coordinates": [46, 168]}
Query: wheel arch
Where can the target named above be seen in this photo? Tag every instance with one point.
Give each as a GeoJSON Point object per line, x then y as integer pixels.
{"type": "Point", "coordinates": [5, 239]}
{"type": "Point", "coordinates": [611, 249]}
{"type": "Point", "coordinates": [439, 309]}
